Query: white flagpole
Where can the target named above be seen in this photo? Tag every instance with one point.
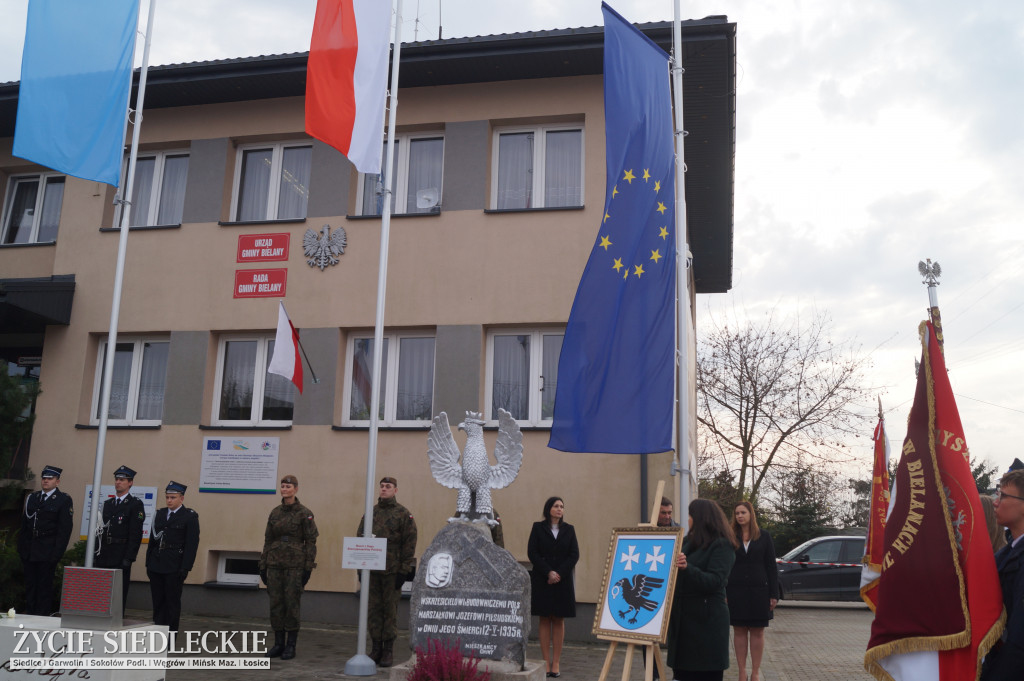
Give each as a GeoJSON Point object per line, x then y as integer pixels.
{"type": "Point", "coordinates": [682, 462]}
{"type": "Point", "coordinates": [115, 305]}
{"type": "Point", "coordinates": [360, 664]}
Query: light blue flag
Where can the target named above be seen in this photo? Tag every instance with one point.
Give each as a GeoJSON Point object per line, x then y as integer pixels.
{"type": "Point", "coordinates": [75, 81]}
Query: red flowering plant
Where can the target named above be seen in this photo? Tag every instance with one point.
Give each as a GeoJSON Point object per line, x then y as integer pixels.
{"type": "Point", "coordinates": [444, 661]}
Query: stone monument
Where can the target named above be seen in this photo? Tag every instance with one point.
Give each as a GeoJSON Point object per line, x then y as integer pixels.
{"type": "Point", "coordinates": [467, 590]}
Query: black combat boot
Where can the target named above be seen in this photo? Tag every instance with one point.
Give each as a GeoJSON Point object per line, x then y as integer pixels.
{"type": "Point", "coordinates": [278, 645]}
{"type": "Point", "coordinates": [375, 651]}
{"type": "Point", "coordinates": [289, 648]}
{"type": "Point", "coordinates": [387, 657]}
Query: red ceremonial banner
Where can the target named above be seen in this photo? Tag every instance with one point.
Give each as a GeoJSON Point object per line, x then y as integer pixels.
{"type": "Point", "coordinates": [939, 590]}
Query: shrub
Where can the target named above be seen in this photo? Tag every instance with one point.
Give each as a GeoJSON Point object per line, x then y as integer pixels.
{"type": "Point", "coordinates": [444, 661]}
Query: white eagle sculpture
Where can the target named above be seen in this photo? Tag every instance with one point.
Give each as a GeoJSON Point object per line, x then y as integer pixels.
{"type": "Point", "coordinates": [475, 477]}
{"type": "Point", "coordinates": [322, 250]}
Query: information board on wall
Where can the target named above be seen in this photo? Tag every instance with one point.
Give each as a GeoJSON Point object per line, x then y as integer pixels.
{"type": "Point", "coordinates": [149, 501]}
{"type": "Point", "coordinates": [364, 553]}
{"type": "Point", "coordinates": [239, 465]}
{"type": "Point", "coordinates": [263, 283]}
{"type": "Point", "coordinates": [262, 247]}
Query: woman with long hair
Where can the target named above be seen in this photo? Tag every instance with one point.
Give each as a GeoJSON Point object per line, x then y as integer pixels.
{"type": "Point", "coordinates": [554, 552]}
{"type": "Point", "coordinates": [753, 589]}
{"type": "Point", "coordinates": [698, 631]}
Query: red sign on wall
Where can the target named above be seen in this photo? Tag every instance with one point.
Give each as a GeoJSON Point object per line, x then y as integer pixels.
{"type": "Point", "coordinates": [262, 247]}
{"type": "Point", "coordinates": [261, 283]}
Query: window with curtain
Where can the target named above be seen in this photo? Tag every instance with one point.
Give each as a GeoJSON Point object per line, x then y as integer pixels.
{"type": "Point", "coordinates": [31, 212]}
{"type": "Point", "coordinates": [246, 394]}
{"type": "Point", "coordinates": [407, 379]}
{"type": "Point", "coordinates": [419, 167]}
{"type": "Point", "coordinates": [158, 194]}
{"type": "Point", "coordinates": [522, 374]}
{"type": "Point", "coordinates": [272, 181]}
{"type": "Point", "coordinates": [137, 384]}
{"type": "Point", "coordinates": [540, 167]}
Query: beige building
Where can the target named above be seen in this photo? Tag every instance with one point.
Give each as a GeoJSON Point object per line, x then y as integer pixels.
{"type": "Point", "coordinates": [500, 176]}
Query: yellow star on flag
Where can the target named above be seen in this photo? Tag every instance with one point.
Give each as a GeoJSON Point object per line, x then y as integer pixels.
{"type": "Point", "coordinates": [639, 269]}
{"type": "Point", "coordinates": [657, 186]}
{"type": "Point", "coordinates": [647, 174]}
{"type": "Point", "coordinates": [606, 216]}
{"type": "Point", "coordinates": [656, 255]}
{"type": "Point", "coordinates": [661, 207]}
{"type": "Point", "coordinates": [615, 191]}
{"type": "Point", "coordinates": [605, 242]}
{"type": "Point", "coordinates": [617, 265]}
{"type": "Point", "coordinates": [629, 177]}
{"type": "Point", "coordinates": [663, 233]}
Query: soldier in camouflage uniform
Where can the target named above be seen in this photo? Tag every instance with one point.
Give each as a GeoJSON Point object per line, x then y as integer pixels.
{"type": "Point", "coordinates": [287, 561]}
{"type": "Point", "coordinates": [45, 531]}
{"type": "Point", "coordinates": [392, 521]}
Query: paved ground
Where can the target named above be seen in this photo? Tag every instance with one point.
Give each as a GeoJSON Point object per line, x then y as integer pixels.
{"type": "Point", "coordinates": [806, 642]}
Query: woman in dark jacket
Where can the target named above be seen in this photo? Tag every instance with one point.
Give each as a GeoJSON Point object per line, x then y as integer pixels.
{"type": "Point", "coordinates": [698, 631]}
{"type": "Point", "coordinates": [753, 589]}
{"type": "Point", "coordinates": [553, 551]}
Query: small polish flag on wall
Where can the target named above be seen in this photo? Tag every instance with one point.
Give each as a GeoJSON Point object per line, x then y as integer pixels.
{"type": "Point", "coordinates": [286, 361]}
{"type": "Point", "coordinates": [347, 77]}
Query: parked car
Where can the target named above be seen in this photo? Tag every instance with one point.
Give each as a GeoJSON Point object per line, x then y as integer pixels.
{"type": "Point", "coordinates": [822, 569]}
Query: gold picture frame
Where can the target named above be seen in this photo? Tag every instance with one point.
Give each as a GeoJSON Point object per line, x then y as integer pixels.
{"type": "Point", "coordinates": [638, 583]}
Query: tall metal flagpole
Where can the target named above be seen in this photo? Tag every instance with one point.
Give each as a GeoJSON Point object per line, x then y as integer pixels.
{"type": "Point", "coordinates": [681, 466]}
{"type": "Point", "coordinates": [115, 305]}
{"type": "Point", "coordinates": [361, 664]}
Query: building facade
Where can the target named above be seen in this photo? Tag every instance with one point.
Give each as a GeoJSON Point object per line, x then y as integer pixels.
{"type": "Point", "coordinates": [499, 190]}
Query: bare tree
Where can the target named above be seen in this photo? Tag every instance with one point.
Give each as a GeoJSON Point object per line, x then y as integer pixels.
{"type": "Point", "coordinates": [771, 393]}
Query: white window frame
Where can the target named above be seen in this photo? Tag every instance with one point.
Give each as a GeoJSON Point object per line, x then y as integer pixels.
{"type": "Point", "coordinates": [273, 192]}
{"type": "Point", "coordinates": [393, 339]}
{"type": "Point", "coordinates": [157, 184]}
{"type": "Point", "coordinates": [259, 382]}
{"type": "Point", "coordinates": [12, 183]}
{"type": "Point", "coordinates": [225, 577]}
{"type": "Point", "coordinates": [540, 141]}
{"type": "Point", "coordinates": [139, 343]}
{"type": "Point", "coordinates": [536, 367]}
{"type": "Point", "coordinates": [404, 144]}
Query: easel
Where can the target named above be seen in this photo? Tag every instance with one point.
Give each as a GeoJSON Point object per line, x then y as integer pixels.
{"type": "Point", "coordinates": [653, 647]}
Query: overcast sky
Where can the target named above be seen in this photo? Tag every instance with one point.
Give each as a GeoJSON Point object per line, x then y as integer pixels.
{"type": "Point", "coordinates": [871, 134]}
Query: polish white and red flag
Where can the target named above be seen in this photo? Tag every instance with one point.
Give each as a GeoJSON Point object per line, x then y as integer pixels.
{"type": "Point", "coordinates": [286, 360]}
{"type": "Point", "coordinates": [347, 76]}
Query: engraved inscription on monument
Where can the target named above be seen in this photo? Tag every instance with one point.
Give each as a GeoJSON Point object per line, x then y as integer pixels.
{"type": "Point", "coordinates": [478, 619]}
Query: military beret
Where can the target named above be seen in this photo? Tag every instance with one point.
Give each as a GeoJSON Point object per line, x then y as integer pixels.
{"type": "Point", "coordinates": [389, 479]}
{"type": "Point", "coordinates": [176, 487]}
{"type": "Point", "coordinates": [51, 472]}
{"type": "Point", "coordinates": [124, 472]}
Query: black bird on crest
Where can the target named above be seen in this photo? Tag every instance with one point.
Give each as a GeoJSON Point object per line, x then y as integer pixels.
{"type": "Point", "coordinates": [636, 594]}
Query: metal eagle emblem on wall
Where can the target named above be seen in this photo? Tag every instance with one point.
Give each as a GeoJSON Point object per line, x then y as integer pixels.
{"type": "Point", "coordinates": [322, 249]}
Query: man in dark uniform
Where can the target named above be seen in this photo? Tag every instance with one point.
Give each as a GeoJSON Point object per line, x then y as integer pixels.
{"type": "Point", "coordinates": [45, 531]}
{"type": "Point", "coordinates": [120, 535]}
{"type": "Point", "coordinates": [173, 543]}
{"type": "Point", "coordinates": [392, 521]}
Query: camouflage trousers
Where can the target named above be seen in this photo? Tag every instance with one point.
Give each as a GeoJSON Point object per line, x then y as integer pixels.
{"type": "Point", "coordinates": [284, 586]}
{"type": "Point", "coordinates": [383, 611]}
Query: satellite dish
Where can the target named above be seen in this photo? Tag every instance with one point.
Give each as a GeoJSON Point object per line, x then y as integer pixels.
{"type": "Point", "coordinates": [427, 198]}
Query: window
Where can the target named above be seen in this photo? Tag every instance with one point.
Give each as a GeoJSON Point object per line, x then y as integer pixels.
{"type": "Point", "coordinates": [538, 168]}
{"type": "Point", "coordinates": [522, 373]}
{"type": "Point", "coordinates": [137, 384]}
{"type": "Point", "coordinates": [272, 182]}
{"type": "Point", "coordinates": [407, 377]}
{"type": "Point", "coordinates": [32, 209]}
{"type": "Point", "coordinates": [238, 567]}
{"type": "Point", "coordinates": [247, 394]}
{"type": "Point", "coordinates": [419, 162]}
{"type": "Point", "coordinates": [824, 552]}
{"type": "Point", "coordinates": [158, 195]}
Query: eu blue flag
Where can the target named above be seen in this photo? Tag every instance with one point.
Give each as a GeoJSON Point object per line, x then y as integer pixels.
{"type": "Point", "coordinates": [616, 369]}
{"type": "Point", "coordinates": [75, 81]}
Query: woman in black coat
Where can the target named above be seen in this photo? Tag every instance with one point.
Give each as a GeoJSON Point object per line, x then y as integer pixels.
{"type": "Point", "coordinates": [753, 589]}
{"type": "Point", "coordinates": [553, 551]}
